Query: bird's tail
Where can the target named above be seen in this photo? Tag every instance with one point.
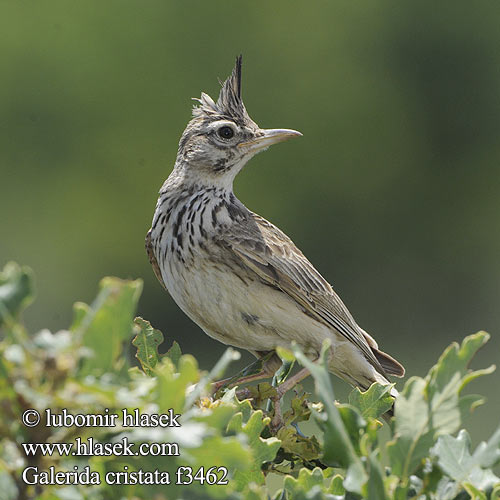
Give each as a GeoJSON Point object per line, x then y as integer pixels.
{"type": "Point", "coordinates": [388, 363]}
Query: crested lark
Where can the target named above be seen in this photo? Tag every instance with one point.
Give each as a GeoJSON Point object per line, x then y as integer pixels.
{"type": "Point", "coordinates": [235, 274]}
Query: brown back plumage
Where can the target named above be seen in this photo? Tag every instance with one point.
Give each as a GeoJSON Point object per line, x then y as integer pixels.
{"type": "Point", "coordinates": [272, 255]}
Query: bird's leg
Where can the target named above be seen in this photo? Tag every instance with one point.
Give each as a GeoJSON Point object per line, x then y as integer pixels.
{"type": "Point", "coordinates": [292, 382]}
{"type": "Point", "coordinates": [232, 381]}
{"type": "Point", "coordinates": [277, 420]}
{"type": "Point", "coordinates": [281, 390]}
{"type": "Point", "coordinates": [264, 367]}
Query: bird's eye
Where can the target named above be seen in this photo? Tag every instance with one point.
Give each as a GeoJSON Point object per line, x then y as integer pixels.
{"type": "Point", "coordinates": [226, 132]}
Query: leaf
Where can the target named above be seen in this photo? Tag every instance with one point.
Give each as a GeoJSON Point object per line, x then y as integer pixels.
{"type": "Point", "coordinates": [455, 359]}
{"type": "Point", "coordinates": [455, 459]}
{"type": "Point", "coordinates": [16, 291]}
{"type": "Point", "coordinates": [221, 451]}
{"type": "Point", "coordinates": [447, 489]}
{"type": "Point", "coordinates": [427, 408]}
{"type": "Point", "coordinates": [174, 353]}
{"type": "Point", "coordinates": [217, 371]}
{"type": "Point", "coordinates": [354, 424]}
{"type": "Point", "coordinates": [283, 371]}
{"type": "Point", "coordinates": [263, 450]}
{"type": "Point", "coordinates": [147, 339]}
{"type": "Point", "coordinates": [285, 354]}
{"type": "Point", "coordinates": [374, 402]}
{"type": "Point", "coordinates": [311, 484]}
{"type": "Point", "coordinates": [337, 445]}
{"type": "Point", "coordinates": [216, 413]}
{"type": "Point", "coordinates": [299, 410]}
{"type": "Point", "coordinates": [495, 494]}
{"type": "Point", "coordinates": [447, 379]}
{"type": "Point", "coordinates": [488, 454]}
{"type": "Point", "coordinates": [474, 493]}
{"type": "Point", "coordinates": [469, 403]}
{"type": "Point", "coordinates": [412, 430]}
{"type": "Point", "coordinates": [302, 447]}
{"type": "Point", "coordinates": [108, 323]}
{"type": "Point", "coordinates": [374, 487]}
{"type": "Point", "coordinates": [174, 384]}
{"type": "Point", "coordinates": [337, 486]}
{"type": "Point", "coordinates": [261, 392]}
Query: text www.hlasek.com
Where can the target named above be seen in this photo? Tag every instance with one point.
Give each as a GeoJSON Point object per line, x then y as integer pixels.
{"type": "Point", "coordinates": [81, 448]}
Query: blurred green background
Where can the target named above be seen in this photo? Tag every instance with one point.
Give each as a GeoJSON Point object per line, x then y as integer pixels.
{"type": "Point", "coordinates": [393, 192]}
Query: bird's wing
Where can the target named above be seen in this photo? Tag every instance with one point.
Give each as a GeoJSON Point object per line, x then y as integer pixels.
{"type": "Point", "coordinates": [269, 253]}
{"type": "Point", "coordinates": [152, 258]}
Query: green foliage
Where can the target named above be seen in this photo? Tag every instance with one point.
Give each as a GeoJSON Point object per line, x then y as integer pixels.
{"type": "Point", "coordinates": [16, 291]}
{"type": "Point", "coordinates": [147, 340]}
{"type": "Point", "coordinates": [432, 406]}
{"type": "Point", "coordinates": [455, 459]}
{"type": "Point", "coordinates": [374, 402]}
{"type": "Point", "coordinates": [112, 312]}
{"type": "Point", "coordinates": [86, 371]}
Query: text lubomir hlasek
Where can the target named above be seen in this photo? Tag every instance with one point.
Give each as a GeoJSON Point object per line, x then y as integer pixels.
{"type": "Point", "coordinates": [132, 418]}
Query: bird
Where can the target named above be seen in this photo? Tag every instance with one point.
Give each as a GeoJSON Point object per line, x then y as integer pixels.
{"type": "Point", "coordinates": [235, 274]}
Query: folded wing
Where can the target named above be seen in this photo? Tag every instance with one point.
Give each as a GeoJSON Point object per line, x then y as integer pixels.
{"type": "Point", "coordinates": [268, 252]}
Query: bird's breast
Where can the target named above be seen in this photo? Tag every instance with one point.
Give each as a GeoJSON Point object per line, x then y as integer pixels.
{"type": "Point", "coordinates": [214, 288]}
{"type": "Point", "coordinates": [184, 228]}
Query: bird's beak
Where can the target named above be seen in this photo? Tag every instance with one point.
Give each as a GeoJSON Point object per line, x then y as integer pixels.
{"type": "Point", "coordinates": [269, 137]}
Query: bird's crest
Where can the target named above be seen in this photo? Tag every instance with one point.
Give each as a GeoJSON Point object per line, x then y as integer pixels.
{"type": "Point", "coordinates": [229, 103]}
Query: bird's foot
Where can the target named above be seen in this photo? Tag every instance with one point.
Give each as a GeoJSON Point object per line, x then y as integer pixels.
{"type": "Point", "coordinates": [290, 383]}
{"type": "Point", "coordinates": [258, 370]}
{"type": "Point", "coordinates": [277, 420]}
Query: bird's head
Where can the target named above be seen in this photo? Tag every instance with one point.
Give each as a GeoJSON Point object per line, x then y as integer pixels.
{"type": "Point", "coordinates": [222, 137]}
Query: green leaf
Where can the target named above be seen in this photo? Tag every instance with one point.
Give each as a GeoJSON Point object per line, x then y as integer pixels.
{"type": "Point", "coordinates": [374, 487]}
{"type": "Point", "coordinates": [447, 489]}
{"type": "Point", "coordinates": [263, 450]}
{"type": "Point", "coordinates": [299, 446]}
{"type": "Point", "coordinates": [427, 408]}
{"type": "Point", "coordinates": [147, 339]}
{"type": "Point", "coordinates": [216, 372]}
{"type": "Point", "coordinates": [469, 403]}
{"type": "Point", "coordinates": [455, 359]}
{"type": "Point", "coordinates": [312, 484]}
{"type": "Point", "coordinates": [43, 372]}
{"type": "Point", "coordinates": [299, 410]}
{"type": "Point", "coordinates": [488, 454]}
{"type": "Point", "coordinates": [216, 414]}
{"type": "Point", "coordinates": [220, 451]}
{"type": "Point", "coordinates": [474, 493]}
{"type": "Point", "coordinates": [174, 353]}
{"type": "Point", "coordinates": [174, 384]}
{"type": "Point", "coordinates": [261, 392]}
{"type": "Point", "coordinates": [495, 494]}
{"type": "Point", "coordinates": [446, 380]}
{"type": "Point", "coordinates": [16, 291]}
{"type": "Point", "coordinates": [374, 402]}
{"type": "Point", "coordinates": [456, 461]}
{"type": "Point", "coordinates": [283, 371]}
{"type": "Point", "coordinates": [337, 445]}
{"type": "Point", "coordinates": [285, 354]}
{"type": "Point", "coordinates": [412, 429]}
{"type": "Point", "coordinates": [337, 485]}
{"type": "Point", "coordinates": [354, 424]}
{"type": "Point", "coordinates": [108, 323]}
